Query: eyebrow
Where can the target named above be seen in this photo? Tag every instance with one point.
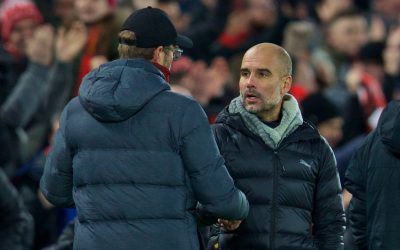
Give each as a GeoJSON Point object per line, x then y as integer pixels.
{"type": "Point", "coordinates": [258, 70]}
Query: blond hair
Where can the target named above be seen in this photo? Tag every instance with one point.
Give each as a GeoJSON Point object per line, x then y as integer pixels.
{"type": "Point", "coordinates": [130, 51]}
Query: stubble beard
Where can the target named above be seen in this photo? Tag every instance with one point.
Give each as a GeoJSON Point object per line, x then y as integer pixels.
{"type": "Point", "coordinates": [167, 63]}
{"type": "Point", "coordinates": [267, 104]}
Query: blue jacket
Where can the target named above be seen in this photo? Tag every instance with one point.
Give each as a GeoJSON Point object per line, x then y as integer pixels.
{"type": "Point", "coordinates": [135, 159]}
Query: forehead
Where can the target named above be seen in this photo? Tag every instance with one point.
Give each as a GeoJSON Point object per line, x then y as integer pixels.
{"type": "Point", "coordinates": [25, 23]}
{"type": "Point", "coordinates": [351, 21]}
{"type": "Point", "coordinates": [260, 59]}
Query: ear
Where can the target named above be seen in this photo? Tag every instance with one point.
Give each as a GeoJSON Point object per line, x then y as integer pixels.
{"type": "Point", "coordinates": [157, 57]}
{"type": "Point", "coordinates": [286, 85]}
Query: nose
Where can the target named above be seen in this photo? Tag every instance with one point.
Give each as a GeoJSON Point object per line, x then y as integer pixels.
{"type": "Point", "coordinates": [249, 82]}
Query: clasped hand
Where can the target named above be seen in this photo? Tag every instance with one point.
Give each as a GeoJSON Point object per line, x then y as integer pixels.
{"type": "Point", "coordinates": [229, 225]}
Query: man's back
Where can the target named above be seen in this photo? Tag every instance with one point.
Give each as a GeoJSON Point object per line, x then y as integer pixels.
{"type": "Point", "coordinates": [373, 178]}
{"type": "Point", "coordinates": [142, 158]}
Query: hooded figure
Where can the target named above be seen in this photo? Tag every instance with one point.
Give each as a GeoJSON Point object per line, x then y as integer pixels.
{"type": "Point", "coordinates": [137, 160]}
{"type": "Point", "coordinates": [373, 179]}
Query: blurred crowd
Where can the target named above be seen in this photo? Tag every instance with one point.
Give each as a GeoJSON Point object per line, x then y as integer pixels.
{"type": "Point", "coordinates": [346, 56]}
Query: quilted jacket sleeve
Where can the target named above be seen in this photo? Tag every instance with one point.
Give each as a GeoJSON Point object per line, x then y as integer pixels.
{"type": "Point", "coordinates": [56, 182]}
{"type": "Point", "coordinates": [210, 180]}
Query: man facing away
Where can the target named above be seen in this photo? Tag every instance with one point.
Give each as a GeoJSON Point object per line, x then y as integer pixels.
{"type": "Point", "coordinates": [285, 168]}
{"type": "Point", "coordinates": [373, 179]}
{"type": "Point", "coordinates": [135, 158]}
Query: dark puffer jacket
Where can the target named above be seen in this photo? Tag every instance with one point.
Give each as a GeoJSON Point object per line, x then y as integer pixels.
{"type": "Point", "coordinates": [135, 158]}
{"type": "Point", "coordinates": [294, 191]}
{"type": "Point", "coordinates": [16, 224]}
{"type": "Point", "coordinates": [373, 177]}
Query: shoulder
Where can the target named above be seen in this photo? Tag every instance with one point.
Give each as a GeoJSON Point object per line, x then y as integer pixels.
{"type": "Point", "coordinates": [369, 147]}
{"type": "Point", "coordinates": [180, 109]}
{"type": "Point", "coordinates": [309, 133]}
{"type": "Point", "coordinates": [219, 130]}
{"type": "Point", "coordinates": [178, 102]}
{"type": "Point", "coordinates": [223, 119]}
{"type": "Point", "coordinates": [312, 141]}
{"type": "Point", "coordinates": [72, 112]}
{"type": "Point", "coordinates": [178, 97]}
{"type": "Point", "coordinates": [72, 106]}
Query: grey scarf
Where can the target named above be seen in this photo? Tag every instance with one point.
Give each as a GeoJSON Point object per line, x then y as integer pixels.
{"type": "Point", "coordinates": [291, 119]}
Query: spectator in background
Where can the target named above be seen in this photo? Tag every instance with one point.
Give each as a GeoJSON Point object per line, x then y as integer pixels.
{"type": "Point", "coordinates": [180, 19]}
{"type": "Point", "coordinates": [16, 224]}
{"type": "Point", "coordinates": [152, 151]}
{"type": "Point", "coordinates": [281, 163]}
{"type": "Point", "coordinates": [322, 13]}
{"type": "Point", "coordinates": [366, 99]}
{"type": "Point", "coordinates": [207, 25]}
{"type": "Point", "coordinates": [388, 10]}
{"type": "Point", "coordinates": [256, 21]}
{"type": "Point", "coordinates": [373, 179]}
{"type": "Point", "coordinates": [321, 112]}
{"type": "Point", "coordinates": [391, 62]}
{"type": "Point", "coordinates": [49, 57]}
{"type": "Point", "coordinates": [28, 110]}
{"type": "Point", "coordinates": [18, 20]}
{"type": "Point", "coordinates": [297, 41]}
{"type": "Point", "coordinates": [346, 34]}
{"type": "Point", "coordinates": [208, 84]}
{"type": "Point", "coordinates": [326, 10]}
{"type": "Point", "coordinates": [102, 28]}
{"type": "Point", "coordinates": [63, 10]}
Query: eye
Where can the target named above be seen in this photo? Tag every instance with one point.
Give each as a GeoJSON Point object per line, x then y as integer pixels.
{"type": "Point", "coordinates": [244, 73]}
{"type": "Point", "coordinates": [264, 74]}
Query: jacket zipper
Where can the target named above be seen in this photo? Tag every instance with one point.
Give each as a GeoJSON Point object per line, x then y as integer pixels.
{"type": "Point", "coordinates": [274, 190]}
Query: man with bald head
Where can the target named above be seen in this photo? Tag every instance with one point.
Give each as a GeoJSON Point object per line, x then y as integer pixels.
{"type": "Point", "coordinates": [285, 168]}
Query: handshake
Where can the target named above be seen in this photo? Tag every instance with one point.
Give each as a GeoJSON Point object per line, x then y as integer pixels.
{"type": "Point", "coordinates": [229, 225]}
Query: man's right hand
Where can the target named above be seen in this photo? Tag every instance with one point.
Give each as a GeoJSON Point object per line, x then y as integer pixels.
{"type": "Point", "coordinates": [69, 43]}
{"type": "Point", "coordinates": [40, 48]}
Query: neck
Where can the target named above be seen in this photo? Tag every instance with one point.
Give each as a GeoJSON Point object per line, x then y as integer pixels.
{"type": "Point", "coordinates": [164, 70]}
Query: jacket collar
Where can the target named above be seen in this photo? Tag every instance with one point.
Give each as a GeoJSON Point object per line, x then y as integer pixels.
{"type": "Point", "coordinates": [306, 131]}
